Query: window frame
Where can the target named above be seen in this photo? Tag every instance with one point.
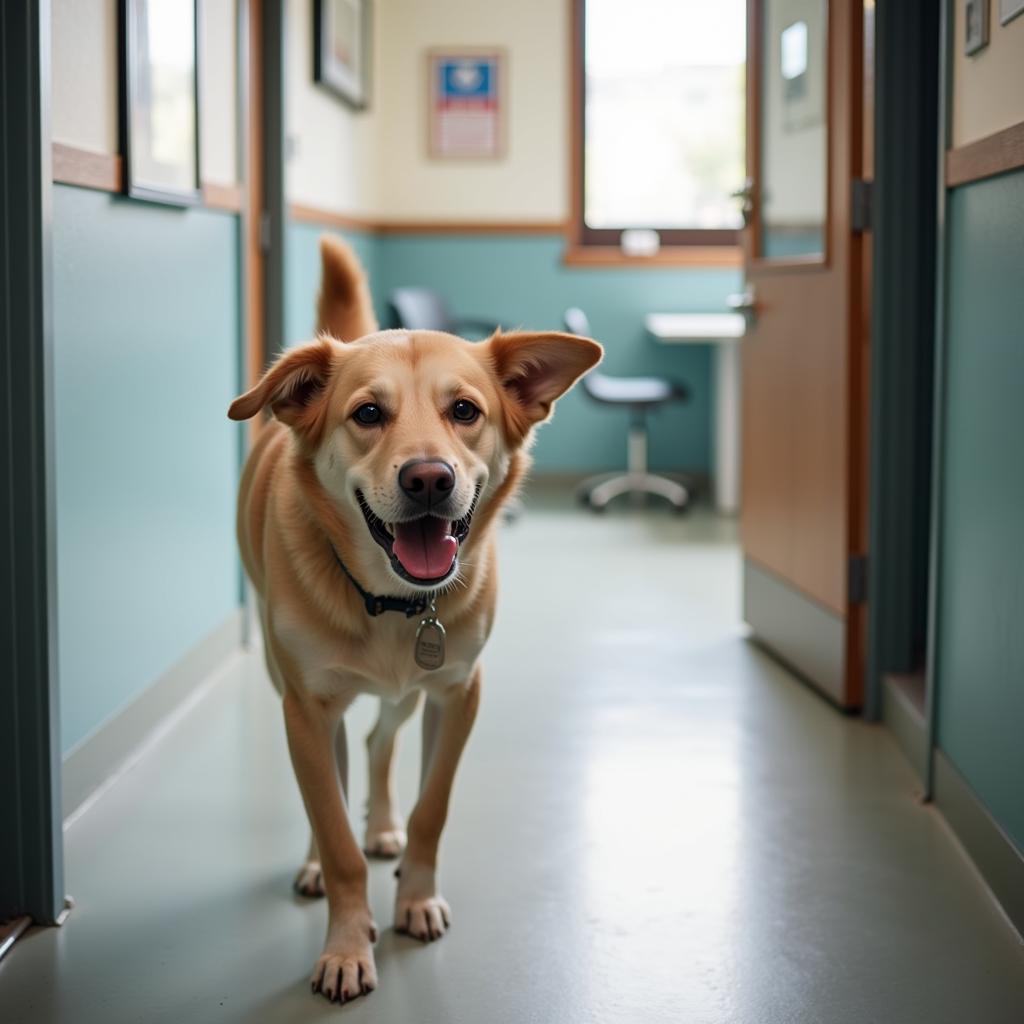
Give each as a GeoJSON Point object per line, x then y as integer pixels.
{"type": "Point", "coordinates": [589, 245]}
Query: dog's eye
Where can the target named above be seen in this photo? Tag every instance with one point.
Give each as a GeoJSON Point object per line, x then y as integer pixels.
{"type": "Point", "coordinates": [368, 415]}
{"type": "Point", "coordinates": [464, 411]}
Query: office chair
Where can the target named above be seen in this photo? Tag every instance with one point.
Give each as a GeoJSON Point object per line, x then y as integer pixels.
{"type": "Point", "coordinates": [423, 309]}
{"type": "Point", "coordinates": [640, 395]}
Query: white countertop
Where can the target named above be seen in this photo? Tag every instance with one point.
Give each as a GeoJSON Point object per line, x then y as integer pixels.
{"type": "Point", "coordinates": [695, 328]}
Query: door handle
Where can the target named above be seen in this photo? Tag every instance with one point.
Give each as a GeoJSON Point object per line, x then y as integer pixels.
{"type": "Point", "coordinates": [744, 302]}
{"type": "Point", "coordinates": [745, 194]}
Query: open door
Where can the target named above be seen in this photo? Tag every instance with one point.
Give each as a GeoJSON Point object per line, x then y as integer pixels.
{"type": "Point", "coordinates": [805, 400]}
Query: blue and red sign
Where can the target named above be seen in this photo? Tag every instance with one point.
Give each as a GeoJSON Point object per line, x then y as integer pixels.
{"type": "Point", "coordinates": [468, 82]}
{"type": "Point", "coordinates": [466, 106]}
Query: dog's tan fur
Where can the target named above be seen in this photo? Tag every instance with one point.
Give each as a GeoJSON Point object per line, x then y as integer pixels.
{"type": "Point", "coordinates": [297, 501]}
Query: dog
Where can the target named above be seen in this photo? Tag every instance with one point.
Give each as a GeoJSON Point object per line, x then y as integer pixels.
{"type": "Point", "coordinates": [367, 515]}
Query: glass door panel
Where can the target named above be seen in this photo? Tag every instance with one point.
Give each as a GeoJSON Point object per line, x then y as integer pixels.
{"type": "Point", "coordinates": [793, 125]}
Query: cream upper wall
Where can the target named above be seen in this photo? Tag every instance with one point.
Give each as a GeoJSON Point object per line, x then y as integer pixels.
{"type": "Point", "coordinates": [218, 83]}
{"type": "Point", "coordinates": [331, 148]}
{"type": "Point", "coordinates": [373, 163]}
{"type": "Point", "coordinates": [988, 88]}
{"type": "Point", "coordinates": [84, 63]}
{"type": "Point", "coordinates": [84, 82]}
{"type": "Point", "coordinates": [531, 181]}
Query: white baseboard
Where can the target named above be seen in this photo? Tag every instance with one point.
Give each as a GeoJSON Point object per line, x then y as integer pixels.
{"type": "Point", "coordinates": [102, 753]}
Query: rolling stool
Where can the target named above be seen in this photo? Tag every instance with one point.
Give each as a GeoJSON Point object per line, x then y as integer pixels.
{"type": "Point", "coordinates": [641, 394]}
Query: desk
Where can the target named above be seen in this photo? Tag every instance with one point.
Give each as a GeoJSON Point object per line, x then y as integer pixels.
{"type": "Point", "coordinates": [724, 331]}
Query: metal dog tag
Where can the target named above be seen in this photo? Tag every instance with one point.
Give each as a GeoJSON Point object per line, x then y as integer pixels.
{"type": "Point", "coordinates": [429, 648]}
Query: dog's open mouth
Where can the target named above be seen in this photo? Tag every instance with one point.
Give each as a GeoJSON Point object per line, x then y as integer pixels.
{"type": "Point", "coordinates": [424, 551]}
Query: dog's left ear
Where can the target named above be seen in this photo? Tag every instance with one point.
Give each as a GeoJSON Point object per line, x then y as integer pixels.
{"type": "Point", "coordinates": [292, 387]}
{"type": "Point", "coordinates": [535, 369]}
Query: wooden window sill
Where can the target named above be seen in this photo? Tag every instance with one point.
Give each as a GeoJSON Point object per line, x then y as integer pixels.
{"type": "Point", "coordinates": [576, 255]}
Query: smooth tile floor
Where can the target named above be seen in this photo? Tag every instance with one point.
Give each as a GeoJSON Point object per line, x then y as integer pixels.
{"type": "Point", "coordinates": [653, 822]}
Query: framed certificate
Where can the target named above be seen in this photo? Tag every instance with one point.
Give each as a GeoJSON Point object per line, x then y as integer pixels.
{"type": "Point", "coordinates": [159, 108]}
{"type": "Point", "coordinates": [467, 104]}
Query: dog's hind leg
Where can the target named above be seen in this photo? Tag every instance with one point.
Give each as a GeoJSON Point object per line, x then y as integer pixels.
{"type": "Point", "coordinates": [385, 829]}
{"type": "Point", "coordinates": [310, 879]}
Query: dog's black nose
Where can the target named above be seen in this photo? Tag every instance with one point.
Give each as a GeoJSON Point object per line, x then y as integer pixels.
{"type": "Point", "coordinates": [427, 481]}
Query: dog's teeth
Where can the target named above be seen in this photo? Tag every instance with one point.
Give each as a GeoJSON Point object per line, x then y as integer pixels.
{"type": "Point", "coordinates": [389, 528]}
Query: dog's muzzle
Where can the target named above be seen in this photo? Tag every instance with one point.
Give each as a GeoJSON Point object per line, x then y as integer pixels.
{"type": "Point", "coordinates": [423, 549]}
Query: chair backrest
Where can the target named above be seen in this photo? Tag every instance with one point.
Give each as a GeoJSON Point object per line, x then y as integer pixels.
{"type": "Point", "coordinates": [577, 322]}
{"type": "Point", "coordinates": [419, 309]}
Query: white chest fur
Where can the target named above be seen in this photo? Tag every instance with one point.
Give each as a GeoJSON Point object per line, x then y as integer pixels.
{"type": "Point", "coordinates": [381, 663]}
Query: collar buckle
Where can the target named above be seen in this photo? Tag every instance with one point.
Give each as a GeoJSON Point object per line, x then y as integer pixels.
{"type": "Point", "coordinates": [376, 605]}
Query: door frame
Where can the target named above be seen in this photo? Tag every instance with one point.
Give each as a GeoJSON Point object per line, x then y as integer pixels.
{"type": "Point", "coordinates": [262, 38]}
{"type": "Point", "coordinates": [31, 842]}
{"type": "Point", "coordinates": [944, 92]}
{"type": "Point", "coordinates": [906, 310]}
{"type": "Point", "coordinates": [275, 209]}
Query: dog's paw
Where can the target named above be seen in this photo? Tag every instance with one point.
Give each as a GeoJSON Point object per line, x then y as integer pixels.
{"type": "Point", "coordinates": [346, 969]}
{"type": "Point", "coordinates": [340, 977]}
{"type": "Point", "coordinates": [310, 880]}
{"type": "Point", "coordinates": [385, 844]}
{"type": "Point", "coordinates": [425, 919]}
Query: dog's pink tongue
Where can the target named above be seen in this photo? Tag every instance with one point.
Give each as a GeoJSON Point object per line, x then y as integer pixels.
{"type": "Point", "coordinates": [425, 547]}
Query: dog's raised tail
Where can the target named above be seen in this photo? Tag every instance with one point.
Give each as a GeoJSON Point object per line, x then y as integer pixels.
{"type": "Point", "coordinates": [345, 308]}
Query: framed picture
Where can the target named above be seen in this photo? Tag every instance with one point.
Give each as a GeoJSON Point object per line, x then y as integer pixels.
{"type": "Point", "coordinates": [467, 104]}
{"type": "Point", "coordinates": [341, 49]}
{"type": "Point", "coordinates": [159, 94]}
{"type": "Point", "coordinates": [1009, 9]}
{"type": "Point", "coordinates": [976, 26]}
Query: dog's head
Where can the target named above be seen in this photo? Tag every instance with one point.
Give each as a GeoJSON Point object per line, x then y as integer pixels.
{"type": "Point", "coordinates": [412, 433]}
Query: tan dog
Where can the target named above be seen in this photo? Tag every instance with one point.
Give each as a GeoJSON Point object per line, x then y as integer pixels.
{"type": "Point", "coordinates": [366, 520]}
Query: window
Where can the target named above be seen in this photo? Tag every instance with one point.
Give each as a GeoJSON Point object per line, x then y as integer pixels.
{"type": "Point", "coordinates": [660, 122]}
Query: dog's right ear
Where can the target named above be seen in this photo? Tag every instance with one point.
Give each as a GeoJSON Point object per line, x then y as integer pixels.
{"type": "Point", "coordinates": [292, 386]}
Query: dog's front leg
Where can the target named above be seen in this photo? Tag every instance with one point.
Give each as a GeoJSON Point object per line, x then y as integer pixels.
{"type": "Point", "coordinates": [420, 909]}
{"type": "Point", "coordinates": [346, 969]}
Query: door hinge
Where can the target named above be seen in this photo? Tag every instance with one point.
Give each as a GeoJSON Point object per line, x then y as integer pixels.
{"type": "Point", "coordinates": [862, 196]}
{"type": "Point", "coordinates": [265, 231]}
{"type": "Point", "coordinates": [857, 579]}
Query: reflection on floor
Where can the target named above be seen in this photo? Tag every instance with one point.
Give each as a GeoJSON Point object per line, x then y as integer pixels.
{"type": "Point", "coordinates": [653, 823]}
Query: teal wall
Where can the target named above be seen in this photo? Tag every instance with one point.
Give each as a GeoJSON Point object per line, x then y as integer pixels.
{"type": "Point", "coordinates": [980, 633]}
{"type": "Point", "coordinates": [302, 275]}
{"type": "Point", "coordinates": [521, 281]}
{"type": "Point", "coordinates": [146, 361]}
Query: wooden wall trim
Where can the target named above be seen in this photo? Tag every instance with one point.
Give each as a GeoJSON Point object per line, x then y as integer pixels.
{"type": "Point", "coordinates": [994, 154]}
{"type": "Point", "coordinates": [481, 227]}
{"type": "Point", "coordinates": [83, 167]}
{"type": "Point", "coordinates": [329, 218]}
{"type": "Point", "coordinates": [347, 222]}
{"type": "Point", "coordinates": [105, 172]}
{"type": "Point", "coordinates": [222, 197]}
{"type": "Point", "coordinates": [575, 255]}
{"type": "Point", "coordinates": [666, 256]}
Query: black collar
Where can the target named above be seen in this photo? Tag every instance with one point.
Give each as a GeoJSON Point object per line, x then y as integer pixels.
{"type": "Point", "coordinates": [378, 605]}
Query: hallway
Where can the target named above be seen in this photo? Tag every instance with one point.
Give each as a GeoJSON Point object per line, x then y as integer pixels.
{"type": "Point", "coordinates": [653, 822]}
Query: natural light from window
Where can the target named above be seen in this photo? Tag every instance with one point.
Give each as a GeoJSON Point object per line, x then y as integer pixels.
{"type": "Point", "coordinates": [664, 124]}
